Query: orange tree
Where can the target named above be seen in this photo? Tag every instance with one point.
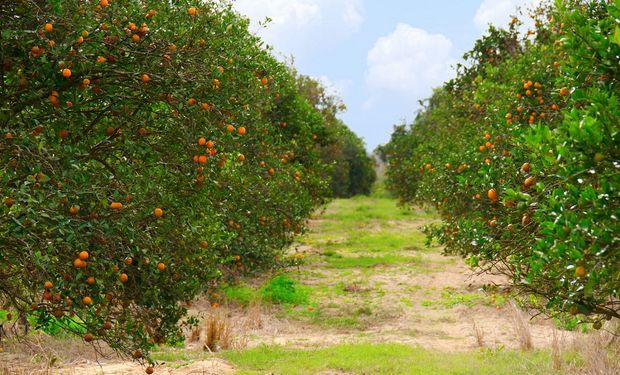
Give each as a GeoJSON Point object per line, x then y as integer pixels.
{"type": "Point", "coordinates": [520, 154]}
{"type": "Point", "coordinates": [147, 147]}
{"type": "Point", "coordinates": [351, 171]}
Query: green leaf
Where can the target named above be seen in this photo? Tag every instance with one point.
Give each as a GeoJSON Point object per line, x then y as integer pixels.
{"type": "Point", "coordinates": [616, 37]}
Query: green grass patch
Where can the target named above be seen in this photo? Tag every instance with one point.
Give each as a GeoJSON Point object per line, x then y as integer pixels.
{"type": "Point", "coordinates": [283, 290]}
{"type": "Point", "coordinates": [239, 294]}
{"type": "Point", "coordinates": [450, 298]}
{"type": "Point", "coordinates": [386, 359]}
{"type": "Point", "coordinates": [367, 262]}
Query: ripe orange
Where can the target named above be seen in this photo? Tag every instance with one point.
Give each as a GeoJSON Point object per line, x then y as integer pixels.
{"type": "Point", "coordinates": [191, 101]}
{"type": "Point", "coordinates": [107, 326]}
{"type": "Point", "coordinates": [202, 159]}
{"type": "Point", "coordinates": [555, 107]}
{"type": "Point", "coordinates": [529, 181]}
{"type": "Point", "coordinates": [63, 133]}
{"type": "Point", "coordinates": [135, 38]}
{"type": "Point", "coordinates": [564, 91]}
{"type": "Point", "coordinates": [526, 167]}
{"type": "Point", "coordinates": [191, 11]}
{"type": "Point", "coordinates": [84, 255]}
{"type": "Point", "coordinates": [74, 210]}
{"type": "Point", "coordinates": [202, 141]}
{"type": "Point", "coordinates": [492, 194]}
{"type": "Point", "coordinates": [210, 144]}
{"type": "Point", "coordinates": [123, 278]}
{"type": "Point", "coordinates": [116, 205]}
{"type": "Point", "coordinates": [77, 263]}
{"type": "Point", "coordinates": [580, 271]}
{"type": "Point", "coordinates": [241, 131]}
{"type": "Point", "coordinates": [48, 285]}
{"type": "Point", "coordinates": [271, 171]}
{"type": "Point", "coordinates": [128, 261]}
{"type": "Point", "coordinates": [161, 266]}
{"type": "Point", "coordinates": [9, 202]}
{"type": "Point", "coordinates": [230, 128]}
{"type": "Point", "coordinates": [204, 244]}
{"type": "Point", "coordinates": [66, 73]}
{"type": "Point", "coordinates": [145, 78]}
{"type": "Point", "coordinates": [88, 337]}
{"type": "Point", "coordinates": [87, 300]}
{"type": "Point", "coordinates": [158, 212]}
{"type": "Point", "coordinates": [264, 81]}
{"type": "Point", "coordinates": [101, 59]}
{"type": "Point", "coordinates": [206, 106]}
{"type": "Point", "coordinates": [482, 148]}
{"type": "Point", "coordinates": [103, 3]}
{"type": "Point", "coordinates": [48, 27]}
{"type": "Point", "coordinates": [90, 280]}
{"type": "Point", "coordinates": [149, 370]}
{"type": "Point", "coordinates": [241, 157]}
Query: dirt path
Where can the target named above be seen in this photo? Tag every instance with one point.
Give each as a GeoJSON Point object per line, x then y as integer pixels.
{"type": "Point", "coordinates": [369, 278]}
{"type": "Point", "coordinates": [372, 279]}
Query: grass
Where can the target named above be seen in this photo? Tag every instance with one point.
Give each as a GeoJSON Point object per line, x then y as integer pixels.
{"type": "Point", "coordinates": [367, 261]}
{"type": "Point", "coordinates": [386, 359]}
{"type": "Point", "coordinates": [284, 290]}
{"type": "Point", "coordinates": [450, 298]}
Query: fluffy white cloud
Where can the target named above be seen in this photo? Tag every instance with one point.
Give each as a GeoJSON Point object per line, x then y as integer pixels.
{"type": "Point", "coordinates": [498, 12]}
{"type": "Point", "coordinates": [303, 27]}
{"type": "Point", "coordinates": [409, 62]}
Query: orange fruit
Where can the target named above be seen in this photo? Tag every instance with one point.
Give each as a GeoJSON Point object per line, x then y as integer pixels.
{"type": "Point", "coordinates": [564, 91]}
{"type": "Point", "coordinates": [101, 59]}
{"type": "Point", "coordinates": [66, 73]}
{"type": "Point", "coordinates": [135, 38]}
{"type": "Point", "coordinates": [580, 271]}
{"type": "Point", "coordinates": [161, 266]}
{"type": "Point", "coordinates": [87, 300]}
{"type": "Point", "coordinates": [123, 278]}
{"type": "Point", "coordinates": [202, 141]}
{"type": "Point", "coordinates": [241, 157]}
{"type": "Point", "coordinates": [191, 11]}
{"type": "Point", "coordinates": [107, 326]}
{"type": "Point", "coordinates": [145, 78]}
{"type": "Point", "coordinates": [191, 101]}
{"type": "Point", "coordinates": [492, 194]}
{"type": "Point", "coordinates": [63, 133]}
{"type": "Point", "coordinates": [529, 181]}
{"type": "Point", "coordinates": [90, 280]}
{"type": "Point", "coordinates": [210, 144]}
{"type": "Point", "coordinates": [48, 27]}
{"type": "Point", "coordinates": [48, 285]}
{"type": "Point", "coordinates": [104, 3]}
{"type": "Point", "coordinates": [84, 255]}
{"type": "Point", "coordinates": [9, 202]}
{"type": "Point", "coordinates": [271, 171]}
{"type": "Point", "coordinates": [230, 128]}
{"type": "Point", "coordinates": [206, 106]}
{"type": "Point", "coordinates": [202, 159]}
{"type": "Point", "coordinates": [149, 370]}
{"type": "Point", "coordinates": [74, 210]}
{"type": "Point", "coordinates": [526, 167]}
{"type": "Point", "coordinates": [264, 81]}
{"type": "Point", "coordinates": [88, 337]}
{"type": "Point", "coordinates": [158, 212]}
{"type": "Point", "coordinates": [116, 205]}
{"type": "Point", "coordinates": [204, 244]}
{"type": "Point", "coordinates": [241, 131]}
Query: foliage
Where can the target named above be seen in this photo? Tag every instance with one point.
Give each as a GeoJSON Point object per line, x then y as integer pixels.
{"type": "Point", "coordinates": [352, 170]}
{"type": "Point", "coordinates": [147, 148]}
{"type": "Point", "coordinates": [520, 155]}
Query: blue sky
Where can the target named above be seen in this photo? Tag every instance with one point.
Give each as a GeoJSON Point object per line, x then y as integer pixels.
{"type": "Point", "coordinates": [381, 57]}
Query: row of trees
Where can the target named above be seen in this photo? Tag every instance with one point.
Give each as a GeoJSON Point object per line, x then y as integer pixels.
{"type": "Point", "coordinates": [147, 149]}
{"type": "Point", "coordinates": [520, 155]}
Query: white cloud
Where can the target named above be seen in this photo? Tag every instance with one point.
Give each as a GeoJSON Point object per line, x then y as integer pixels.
{"type": "Point", "coordinates": [409, 62]}
{"type": "Point", "coordinates": [499, 12]}
{"type": "Point", "coordinates": [303, 27]}
{"type": "Point", "coordinates": [335, 88]}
